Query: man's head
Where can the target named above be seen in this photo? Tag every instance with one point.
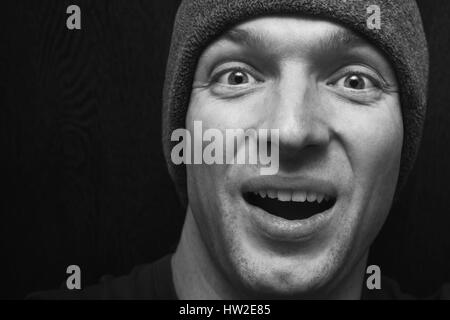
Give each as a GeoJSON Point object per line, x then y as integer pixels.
{"type": "Point", "coordinates": [336, 99]}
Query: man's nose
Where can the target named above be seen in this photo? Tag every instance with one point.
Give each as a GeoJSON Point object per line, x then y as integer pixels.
{"type": "Point", "coordinates": [297, 112]}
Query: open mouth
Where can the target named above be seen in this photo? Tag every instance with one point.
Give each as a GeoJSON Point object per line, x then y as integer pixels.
{"type": "Point", "coordinates": [291, 205]}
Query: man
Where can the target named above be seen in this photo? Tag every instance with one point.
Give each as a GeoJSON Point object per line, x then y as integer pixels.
{"type": "Point", "coordinates": [348, 103]}
{"type": "Point", "coordinates": [334, 99]}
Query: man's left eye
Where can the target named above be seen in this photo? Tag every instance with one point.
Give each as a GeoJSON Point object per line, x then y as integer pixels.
{"type": "Point", "coordinates": [356, 82]}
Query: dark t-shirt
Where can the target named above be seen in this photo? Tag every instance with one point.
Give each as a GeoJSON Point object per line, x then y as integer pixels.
{"type": "Point", "coordinates": [154, 281]}
{"type": "Point", "coordinates": [151, 281]}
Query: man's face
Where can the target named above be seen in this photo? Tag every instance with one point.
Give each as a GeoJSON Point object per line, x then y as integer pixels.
{"type": "Point", "coordinates": [334, 99]}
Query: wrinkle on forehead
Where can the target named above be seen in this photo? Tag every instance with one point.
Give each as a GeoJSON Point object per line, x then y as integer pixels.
{"type": "Point", "coordinates": [316, 41]}
{"type": "Point", "coordinates": [290, 32]}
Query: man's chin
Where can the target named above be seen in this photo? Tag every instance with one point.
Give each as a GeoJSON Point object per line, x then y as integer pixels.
{"type": "Point", "coordinates": [275, 282]}
{"type": "Point", "coordinates": [306, 262]}
{"type": "Point", "coordinates": [268, 274]}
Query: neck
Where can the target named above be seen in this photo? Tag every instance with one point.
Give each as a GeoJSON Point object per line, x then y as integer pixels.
{"type": "Point", "coordinates": [197, 277]}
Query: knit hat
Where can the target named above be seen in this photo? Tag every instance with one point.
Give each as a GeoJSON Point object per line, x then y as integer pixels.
{"type": "Point", "coordinates": [401, 37]}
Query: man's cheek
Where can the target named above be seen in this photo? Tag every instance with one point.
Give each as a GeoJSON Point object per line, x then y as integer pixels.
{"type": "Point", "coordinates": [208, 184]}
{"type": "Point", "coordinates": [377, 154]}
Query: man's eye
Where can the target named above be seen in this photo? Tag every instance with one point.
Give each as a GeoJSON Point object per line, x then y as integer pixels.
{"type": "Point", "coordinates": [356, 82]}
{"type": "Point", "coordinates": [236, 78]}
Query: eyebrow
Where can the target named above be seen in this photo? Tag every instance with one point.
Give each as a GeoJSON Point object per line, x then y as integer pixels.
{"type": "Point", "coordinates": [248, 38]}
{"type": "Point", "coordinates": [342, 38]}
{"type": "Point", "coordinates": [336, 40]}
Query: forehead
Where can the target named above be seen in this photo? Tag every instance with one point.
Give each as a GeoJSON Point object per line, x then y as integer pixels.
{"type": "Point", "coordinates": [276, 39]}
{"type": "Point", "coordinates": [285, 34]}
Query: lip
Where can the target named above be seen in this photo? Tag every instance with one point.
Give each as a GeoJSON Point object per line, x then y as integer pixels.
{"type": "Point", "coordinates": [282, 183]}
{"type": "Point", "coordinates": [282, 230]}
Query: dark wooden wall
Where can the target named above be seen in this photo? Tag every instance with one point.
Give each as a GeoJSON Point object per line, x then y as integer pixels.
{"type": "Point", "coordinates": [83, 177]}
{"type": "Point", "coordinates": [414, 246]}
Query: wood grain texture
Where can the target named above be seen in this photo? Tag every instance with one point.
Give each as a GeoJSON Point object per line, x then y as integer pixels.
{"type": "Point", "coordinates": [414, 246]}
{"type": "Point", "coordinates": [84, 178]}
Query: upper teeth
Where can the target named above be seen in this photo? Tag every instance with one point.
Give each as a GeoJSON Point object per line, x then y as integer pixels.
{"type": "Point", "coordinates": [296, 196]}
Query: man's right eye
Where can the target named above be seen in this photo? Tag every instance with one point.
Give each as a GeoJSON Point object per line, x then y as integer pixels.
{"type": "Point", "coordinates": [235, 77]}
